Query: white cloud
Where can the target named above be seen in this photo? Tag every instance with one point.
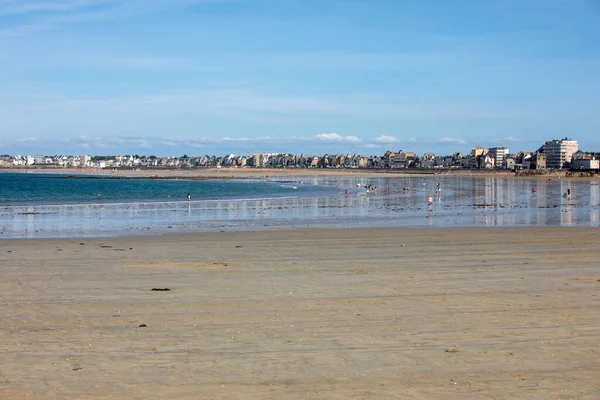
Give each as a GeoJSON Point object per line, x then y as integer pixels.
{"type": "Point", "coordinates": [373, 146]}
{"type": "Point", "coordinates": [330, 137]}
{"type": "Point", "coordinates": [386, 139]}
{"type": "Point", "coordinates": [336, 137]}
{"type": "Point", "coordinates": [450, 140]}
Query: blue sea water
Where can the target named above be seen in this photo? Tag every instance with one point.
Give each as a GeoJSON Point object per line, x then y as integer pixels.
{"type": "Point", "coordinates": [48, 205]}
{"type": "Point", "coordinates": [23, 189]}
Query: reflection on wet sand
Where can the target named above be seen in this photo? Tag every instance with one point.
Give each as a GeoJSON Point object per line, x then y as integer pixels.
{"type": "Point", "coordinates": [359, 201]}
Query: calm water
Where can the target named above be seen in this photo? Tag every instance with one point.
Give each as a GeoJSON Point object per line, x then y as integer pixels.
{"type": "Point", "coordinates": [19, 189]}
{"type": "Point", "coordinates": [44, 205]}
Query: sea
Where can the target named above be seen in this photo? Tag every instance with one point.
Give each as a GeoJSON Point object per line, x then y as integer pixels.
{"type": "Point", "coordinates": [49, 205]}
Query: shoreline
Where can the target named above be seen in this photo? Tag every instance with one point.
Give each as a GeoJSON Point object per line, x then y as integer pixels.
{"type": "Point", "coordinates": [255, 173]}
{"type": "Point", "coordinates": [308, 313]}
{"type": "Point", "coordinates": [286, 231]}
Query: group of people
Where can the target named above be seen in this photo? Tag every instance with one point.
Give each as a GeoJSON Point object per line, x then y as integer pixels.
{"type": "Point", "coordinates": [438, 193]}
{"type": "Point", "coordinates": [370, 188]}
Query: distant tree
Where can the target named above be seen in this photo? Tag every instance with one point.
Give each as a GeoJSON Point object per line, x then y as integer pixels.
{"type": "Point", "coordinates": [102, 158]}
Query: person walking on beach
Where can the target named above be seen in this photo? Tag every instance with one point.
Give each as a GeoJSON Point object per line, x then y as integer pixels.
{"type": "Point", "coordinates": [430, 202]}
{"type": "Point", "coordinates": [189, 197]}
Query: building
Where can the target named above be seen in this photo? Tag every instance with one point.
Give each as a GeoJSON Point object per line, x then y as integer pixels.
{"type": "Point", "coordinates": [478, 151]}
{"type": "Point", "coordinates": [585, 161]}
{"type": "Point", "coordinates": [473, 160]}
{"type": "Point", "coordinates": [403, 159]}
{"type": "Point", "coordinates": [509, 163]}
{"type": "Point", "coordinates": [498, 154]}
{"type": "Point", "coordinates": [559, 152]}
{"type": "Point", "coordinates": [534, 161]}
{"type": "Point", "coordinates": [257, 160]}
{"type": "Point", "coordinates": [486, 161]}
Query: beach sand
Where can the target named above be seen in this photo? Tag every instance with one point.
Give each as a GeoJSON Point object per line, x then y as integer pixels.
{"type": "Point", "coordinates": [260, 173]}
{"type": "Point", "coordinates": [496, 313]}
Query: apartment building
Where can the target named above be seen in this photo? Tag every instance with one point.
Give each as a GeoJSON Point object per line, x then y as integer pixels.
{"type": "Point", "coordinates": [498, 154]}
{"type": "Point", "coordinates": [559, 152]}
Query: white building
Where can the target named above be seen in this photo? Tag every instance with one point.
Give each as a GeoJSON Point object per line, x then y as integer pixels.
{"type": "Point", "coordinates": [498, 154]}
{"type": "Point", "coordinates": [86, 160]}
{"type": "Point", "coordinates": [559, 152]}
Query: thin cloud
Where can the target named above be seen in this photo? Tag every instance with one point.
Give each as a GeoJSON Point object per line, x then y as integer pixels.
{"type": "Point", "coordinates": [450, 140]}
{"type": "Point", "coordinates": [373, 146]}
{"type": "Point", "coordinates": [142, 62]}
{"type": "Point", "coordinates": [244, 139]}
{"type": "Point", "coordinates": [135, 141]}
{"type": "Point", "coordinates": [45, 15]}
{"type": "Point", "coordinates": [248, 103]}
{"type": "Point", "coordinates": [153, 142]}
{"type": "Point", "coordinates": [27, 7]}
{"type": "Point", "coordinates": [506, 139]}
{"type": "Point", "coordinates": [168, 143]}
{"type": "Point", "coordinates": [85, 142]}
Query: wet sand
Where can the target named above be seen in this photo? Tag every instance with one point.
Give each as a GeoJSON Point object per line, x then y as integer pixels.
{"type": "Point", "coordinates": [245, 173]}
{"type": "Point", "coordinates": [490, 313]}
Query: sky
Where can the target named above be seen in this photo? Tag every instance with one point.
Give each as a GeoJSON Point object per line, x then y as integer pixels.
{"type": "Point", "coordinates": [213, 77]}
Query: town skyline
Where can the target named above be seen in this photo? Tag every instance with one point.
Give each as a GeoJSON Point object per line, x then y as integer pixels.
{"type": "Point", "coordinates": [552, 154]}
{"type": "Point", "coordinates": [330, 76]}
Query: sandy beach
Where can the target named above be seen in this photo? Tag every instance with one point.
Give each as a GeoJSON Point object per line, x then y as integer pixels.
{"type": "Point", "coordinates": [262, 173]}
{"type": "Point", "coordinates": [499, 313]}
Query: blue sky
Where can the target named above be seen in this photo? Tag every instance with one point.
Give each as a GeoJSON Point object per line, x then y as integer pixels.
{"type": "Point", "coordinates": [202, 77]}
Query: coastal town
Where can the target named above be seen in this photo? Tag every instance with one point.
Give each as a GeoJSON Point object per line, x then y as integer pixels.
{"type": "Point", "coordinates": [551, 155]}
